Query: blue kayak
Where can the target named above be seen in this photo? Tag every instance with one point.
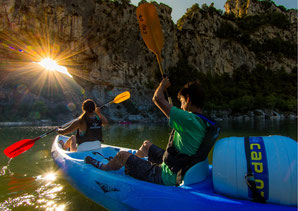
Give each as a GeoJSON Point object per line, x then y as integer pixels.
{"type": "Point", "coordinates": [117, 191]}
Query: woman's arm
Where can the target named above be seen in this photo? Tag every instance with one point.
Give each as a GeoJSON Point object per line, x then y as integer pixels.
{"type": "Point", "coordinates": [71, 128]}
{"type": "Point", "coordinates": [101, 116]}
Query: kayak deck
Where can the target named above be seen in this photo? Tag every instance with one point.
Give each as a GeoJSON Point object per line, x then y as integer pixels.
{"type": "Point", "coordinates": [115, 190]}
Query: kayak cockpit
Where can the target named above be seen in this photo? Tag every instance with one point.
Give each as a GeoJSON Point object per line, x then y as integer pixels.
{"type": "Point", "coordinates": [195, 174]}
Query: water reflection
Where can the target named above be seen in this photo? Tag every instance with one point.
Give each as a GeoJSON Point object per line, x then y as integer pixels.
{"type": "Point", "coordinates": [50, 177]}
{"type": "Point", "coordinates": [12, 203]}
{"type": "Point", "coordinates": [133, 135]}
{"type": "Point", "coordinates": [259, 128]}
{"type": "Point", "coordinates": [5, 170]}
{"type": "Point", "coordinates": [20, 183]}
{"type": "Point", "coordinates": [45, 193]}
{"type": "Point", "coordinates": [30, 181]}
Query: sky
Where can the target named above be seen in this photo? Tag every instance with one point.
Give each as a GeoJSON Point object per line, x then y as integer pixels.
{"type": "Point", "coordinates": [179, 6]}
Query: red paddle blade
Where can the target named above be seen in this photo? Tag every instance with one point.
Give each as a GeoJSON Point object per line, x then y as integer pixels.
{"type": "Point", "coordinates": [19, 147]}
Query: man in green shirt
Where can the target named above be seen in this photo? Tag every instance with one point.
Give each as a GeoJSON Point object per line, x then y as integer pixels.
{"type": "Point", "coordinates": [189, 131]}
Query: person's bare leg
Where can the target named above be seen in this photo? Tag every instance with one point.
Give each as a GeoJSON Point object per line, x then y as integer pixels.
{"type": "Point", "coordinates": [117, 162]}
{"type": "Point", "coordinates": [73, 144]}
{"type": "Point", "coordinates": [144, 149]}
{"type": "Point", "coordinates": [66, 145]}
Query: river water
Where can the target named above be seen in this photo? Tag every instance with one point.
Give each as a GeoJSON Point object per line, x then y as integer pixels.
{"type": "Point", "coordinates": [31, 181]}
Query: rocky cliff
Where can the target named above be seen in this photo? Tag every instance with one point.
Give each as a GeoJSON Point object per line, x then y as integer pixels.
{"type": "Point", "coordinates": [104, 51]}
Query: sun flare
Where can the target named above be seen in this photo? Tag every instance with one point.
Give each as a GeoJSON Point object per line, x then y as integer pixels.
{"type": "Point", "coordinates": [50, 177]}
{"type": "Point", "coordinates": [41, 57]}
{"type": "Point", "coordinates": [50, 64]}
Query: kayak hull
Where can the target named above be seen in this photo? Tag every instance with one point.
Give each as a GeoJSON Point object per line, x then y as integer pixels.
{"type": "Point", "coordinates": [117, 191]}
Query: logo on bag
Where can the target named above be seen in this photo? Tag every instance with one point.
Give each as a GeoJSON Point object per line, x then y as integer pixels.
{"type": "Point", "coordinates": [259, 166]}
{"type": "Point", "coordinates": [95, 126]}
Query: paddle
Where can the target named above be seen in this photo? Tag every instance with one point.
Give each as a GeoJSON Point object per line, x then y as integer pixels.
{"type": "Point", "coordinates": [151, 32]}
{"type": "Point", "coordinates": [118, 99]}
{"type": "Point", "coordinates": [25, 144]}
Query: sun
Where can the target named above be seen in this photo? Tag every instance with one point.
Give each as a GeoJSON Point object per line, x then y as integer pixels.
{"type": "Point", "coordinates": [48, 64]}
{"type": "Point", "coordinates": [50, 176]}
{"type": "Point", "coordinates": [51, 65]}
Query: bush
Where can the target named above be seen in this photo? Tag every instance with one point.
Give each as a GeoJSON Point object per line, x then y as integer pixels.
{"type": "Point", "coordinates": [282, 8]}
{"type": "Point", "coordinates": [279, 46]}
{"type": "Point", "coordinates": [279, 20]}
{"type": "Point", "coordinates": [249, 24]}
{"type": "Point", "coordinates": [270, 101]}
{"type": "Point", "coordinates": [227, 31]}
{"type": "Point", "coordinates": [242, 104]}
{"type": "Point", "coordinates": [287, 105]}
{"type": "Point", "coordinates": [131, 107]}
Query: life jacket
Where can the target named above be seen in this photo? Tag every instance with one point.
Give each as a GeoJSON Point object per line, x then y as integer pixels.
{"type": "Point", "coordinates": [179, 162]}
{"type": "Point", "coordinates": [93, 132]}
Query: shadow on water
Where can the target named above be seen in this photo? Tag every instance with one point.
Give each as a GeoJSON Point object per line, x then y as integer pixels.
{"type": "Point", "coordinates": [133, 135]}
{"type": "Point", "coordinates": [32, 181]}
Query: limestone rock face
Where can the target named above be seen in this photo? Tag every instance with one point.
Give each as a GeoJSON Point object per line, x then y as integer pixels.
{"type": "Point", "coordinates": [204, 50]}
{"type": "Point", "coordinates": [105, 51]}
{"type": "Point", "coordinates": [241, 8]}
{"type": "Point", "coordinates": [238, 7]}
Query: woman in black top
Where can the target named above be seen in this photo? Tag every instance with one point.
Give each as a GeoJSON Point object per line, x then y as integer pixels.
{"type": "Point", "coordinates": [88, 126]}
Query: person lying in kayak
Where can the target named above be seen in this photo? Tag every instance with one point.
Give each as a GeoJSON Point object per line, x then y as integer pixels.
{"type": "Point", "coordinates": [168, 166]}
{"type": "Point", "coordinates": [88, 127]}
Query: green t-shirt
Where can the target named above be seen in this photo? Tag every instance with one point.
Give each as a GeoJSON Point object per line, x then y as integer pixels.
{"type": "Point", "coordinates": [189, 133]}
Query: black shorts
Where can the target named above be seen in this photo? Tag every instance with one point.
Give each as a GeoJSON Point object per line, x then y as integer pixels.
{"type": "Point", "coordinates": [148, 171]}
{"type": "Point", "coordinates": [155, 154]}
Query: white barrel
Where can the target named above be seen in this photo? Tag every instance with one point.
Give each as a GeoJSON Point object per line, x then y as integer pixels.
{"type": "Point", "coordinates": [273, 160]}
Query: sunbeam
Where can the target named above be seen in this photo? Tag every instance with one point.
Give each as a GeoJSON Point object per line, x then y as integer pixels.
{"type": "Point", "coordinates": [43, 60]}
{"type": "Point", "coordinates": [50, 64]}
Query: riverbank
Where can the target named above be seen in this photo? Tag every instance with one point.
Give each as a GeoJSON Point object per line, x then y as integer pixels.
{"type": "Point", "coordinates": [257, 114]}
{"type": "Point", "coordinates": [219, 116]}
{"type": "Point", "coordinates": [27, 123]}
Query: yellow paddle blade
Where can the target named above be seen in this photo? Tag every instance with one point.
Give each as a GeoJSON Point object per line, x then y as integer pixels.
{"type": "Point", "coordinates": [121, 97]}
{"type": "Point", "coordinates": [150, 27]}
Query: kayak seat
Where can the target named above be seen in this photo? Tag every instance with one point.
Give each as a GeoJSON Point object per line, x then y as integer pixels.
{"type": "Point", "coordinates": [197, 173]}
{"type": "Point", "coordinates": [90, 145]}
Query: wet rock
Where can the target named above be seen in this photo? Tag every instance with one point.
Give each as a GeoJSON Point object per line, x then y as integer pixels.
{"type": "Point", "coordinates": [135, 118]}
{"type": "Point", "coordinates": [292, 117]}
{"type": "Point", "coordinates": [245, 117]}
{"type": "Point", "coordinates": [259, 114]}
{"type": "Point", "coordinates": [275, 115]}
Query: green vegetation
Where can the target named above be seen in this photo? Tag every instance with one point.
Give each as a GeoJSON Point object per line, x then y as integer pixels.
{"type": "Point", "coordinates": [205, 11]}
{"type": "Point", "coordinates": [250, 24]}
{"type": "Point", "coordinates": [261, 88]}
{"type": "Point", "coordinates": [181, 21]}
{"type": "Point", "coordinates": [131, 107]}
{"type": "Point", "coordinates": [244, 27]}
{"type": "Point", "coordinates": [25, 112]}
